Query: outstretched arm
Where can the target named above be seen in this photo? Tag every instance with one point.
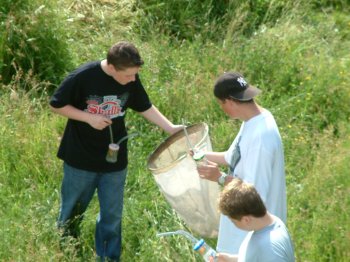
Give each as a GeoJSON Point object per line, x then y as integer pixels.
{"type": "Point", "coordinates": [217, 157]}
{"type": "Point", "coordinates": [156, 117]}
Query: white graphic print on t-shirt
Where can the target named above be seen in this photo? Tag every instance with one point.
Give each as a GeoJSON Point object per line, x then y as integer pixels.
{"type": "Point", "coordinates": [110, 106]}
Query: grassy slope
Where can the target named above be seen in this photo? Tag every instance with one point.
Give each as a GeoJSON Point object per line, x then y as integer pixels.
{"type": "Point", "coordinates": [30, 178]}
{"type": "Point", "coordinates": [318, 185]}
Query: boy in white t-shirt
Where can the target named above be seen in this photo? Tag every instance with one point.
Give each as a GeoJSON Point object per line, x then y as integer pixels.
{"type": "Point", "coordinates": [256, 155]}
{"type": "Point", "coordinates": [268, 239]}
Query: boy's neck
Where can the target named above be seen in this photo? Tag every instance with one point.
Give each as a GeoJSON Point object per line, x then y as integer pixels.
{"type": "Point", "coordinates": [264, 221]}
{"type": "Point", "coordinates": [250, 111]}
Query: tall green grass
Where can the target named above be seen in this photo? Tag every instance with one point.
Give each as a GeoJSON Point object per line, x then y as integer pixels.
{"type": "Point", "coordinates": [297, 56]}
{"type": "Point", "coordinates": [33, 40]}
{"type": "Point", "coordinates": [319, 203]}
{"type": "Point", "coordinates": [48, 38]}
{"type": "Point", "coordinates": [31, 175]}
{"type": "Point", "coordinates": [184, 19]}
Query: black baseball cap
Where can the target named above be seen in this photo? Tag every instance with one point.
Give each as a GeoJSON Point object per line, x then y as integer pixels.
{"type": "Point", "coordinates": [233, 84]}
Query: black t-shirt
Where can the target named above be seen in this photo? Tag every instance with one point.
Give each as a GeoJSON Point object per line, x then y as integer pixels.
{"type": "Point", "coordinates": [90, 89]}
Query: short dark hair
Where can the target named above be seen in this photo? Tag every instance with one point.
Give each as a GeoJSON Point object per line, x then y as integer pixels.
{"type": "Point", "coordinates": [240, 199]}
{"type": "Point", "coordinates": [124, 55]}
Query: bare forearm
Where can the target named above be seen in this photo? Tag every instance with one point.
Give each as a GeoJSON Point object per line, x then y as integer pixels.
{"type": "Point", "coordinates": [72, 113]}
{"type": "Point", "coordinates": [216, 157]}
{"type": "Point", "coordinates": [94, 120]}
{"type": "Point", "coordinates": [156, 117]}
{"type": "Point", "coordinates": [223, 257]}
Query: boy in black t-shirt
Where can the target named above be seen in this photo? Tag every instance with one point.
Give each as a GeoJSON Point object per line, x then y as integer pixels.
{"type": "Point", "coordinates": [94, 98]}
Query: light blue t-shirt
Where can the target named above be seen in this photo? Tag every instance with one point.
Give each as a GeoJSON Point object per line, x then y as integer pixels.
{"type": "Point", "coordinates": [270, 244]}
{"type": "Point", "coordinates": [261, 163]}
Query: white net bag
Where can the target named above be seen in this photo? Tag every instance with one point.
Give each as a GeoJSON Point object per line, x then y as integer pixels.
{"type": "Point", "coordinates": [194, 199]}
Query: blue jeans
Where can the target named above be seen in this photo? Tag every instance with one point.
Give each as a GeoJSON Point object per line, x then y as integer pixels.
{"type": "Point", "coordinates": [78, 188]}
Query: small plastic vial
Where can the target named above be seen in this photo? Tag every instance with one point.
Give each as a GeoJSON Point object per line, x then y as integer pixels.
{"type": "Point", "coordinates": [112, 154]}
{"type": "Point", "coordinates": [199, 158]}
{"type": "Point", "coordinates": [207, 252]}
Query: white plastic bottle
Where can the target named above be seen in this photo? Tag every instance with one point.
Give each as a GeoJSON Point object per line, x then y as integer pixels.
{"type": "Point", "coordinates": [207, 252]}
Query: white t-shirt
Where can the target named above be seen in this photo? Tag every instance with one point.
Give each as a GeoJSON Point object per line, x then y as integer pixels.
{"type": "Point", "coordinates": [261, 163]}
{"type": "Point", "coordinates": [272, 243]}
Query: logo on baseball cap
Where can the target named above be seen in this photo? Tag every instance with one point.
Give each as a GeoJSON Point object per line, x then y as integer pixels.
{"type": "Point", "coordinates": [233, 84]}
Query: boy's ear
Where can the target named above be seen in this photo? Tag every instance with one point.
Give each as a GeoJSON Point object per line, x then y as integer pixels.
{"type": "Point", "coordinates": [246, 220]}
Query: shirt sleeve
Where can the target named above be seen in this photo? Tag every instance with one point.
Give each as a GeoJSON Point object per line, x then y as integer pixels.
{"type": "Point", "coordinates": [66, 93]}
{"type": "Point", "coordinates": [139, 100]}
